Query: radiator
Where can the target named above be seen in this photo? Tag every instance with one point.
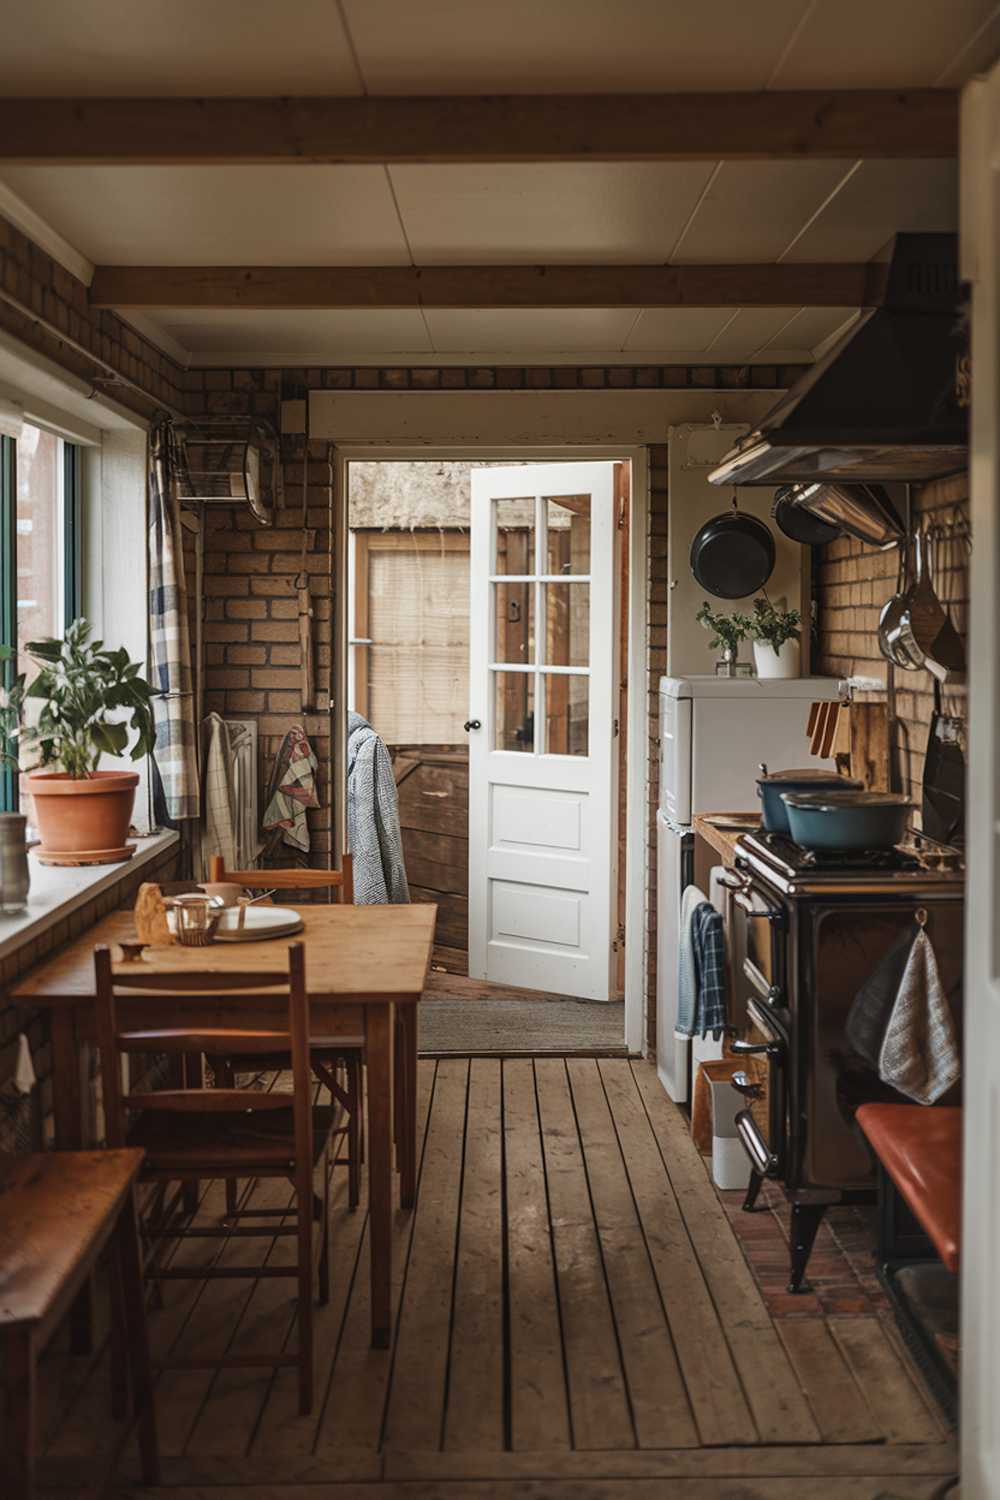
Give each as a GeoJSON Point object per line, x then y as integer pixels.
{"type": "Point", "coordinates": [243, 742]}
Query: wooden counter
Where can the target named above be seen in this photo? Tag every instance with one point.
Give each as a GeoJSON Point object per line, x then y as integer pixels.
{"type": "Point", "coordinates": [721, 830]}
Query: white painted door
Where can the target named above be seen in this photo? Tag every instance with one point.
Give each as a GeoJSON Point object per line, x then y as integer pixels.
{"type": "Point", "coordinates": [980, 241]}
{"type": "Point", "coordinates": [541, 666]}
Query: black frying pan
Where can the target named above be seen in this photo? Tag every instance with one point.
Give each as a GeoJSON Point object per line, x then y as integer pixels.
{"type": "Point", "coordinates": [733, 555]}
{"type": "Point", "coordinates": [798, 523]}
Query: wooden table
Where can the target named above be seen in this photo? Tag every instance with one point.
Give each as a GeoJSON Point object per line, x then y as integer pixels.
{"type": "Point", "coordinates": [365, 965]}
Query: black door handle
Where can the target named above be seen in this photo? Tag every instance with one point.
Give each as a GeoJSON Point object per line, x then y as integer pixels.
{"type": "Point", "coordinates": [472, 724]}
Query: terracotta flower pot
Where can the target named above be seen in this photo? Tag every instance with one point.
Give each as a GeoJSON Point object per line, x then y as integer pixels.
{"type": "Point", "coordinates": [83, 822]}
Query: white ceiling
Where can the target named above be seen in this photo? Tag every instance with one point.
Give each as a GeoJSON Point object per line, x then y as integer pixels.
{"type": "Point", "coordinates": [630, 212]}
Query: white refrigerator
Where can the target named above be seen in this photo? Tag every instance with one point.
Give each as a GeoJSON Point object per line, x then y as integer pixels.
{"type": "Point", "coordinates": [714, 734]}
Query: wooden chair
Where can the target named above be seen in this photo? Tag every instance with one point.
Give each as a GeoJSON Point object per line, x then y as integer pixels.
{"type": "Point", "coordinates": [196, 1133]}
{"type": "Point", "coordinates": [325, 1058]}
{"type": "Point", "coordinates": [58, 1211]}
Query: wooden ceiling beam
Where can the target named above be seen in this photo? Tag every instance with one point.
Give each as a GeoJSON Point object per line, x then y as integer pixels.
{"type": "Point", "coordinates": [315, 287]}
{"type": "Point", "coordinates": [841, 124]}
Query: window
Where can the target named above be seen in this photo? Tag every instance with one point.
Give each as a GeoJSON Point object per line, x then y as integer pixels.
{"type": "Point", "coordinates": [40, 552]}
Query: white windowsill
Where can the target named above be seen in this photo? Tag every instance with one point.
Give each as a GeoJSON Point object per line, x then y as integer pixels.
{"type": "Point", "coordinates": [56, 892]}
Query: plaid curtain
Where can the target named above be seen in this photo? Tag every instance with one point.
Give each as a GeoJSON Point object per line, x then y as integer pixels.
{"type": "Point", "coordinates": [176, 752]}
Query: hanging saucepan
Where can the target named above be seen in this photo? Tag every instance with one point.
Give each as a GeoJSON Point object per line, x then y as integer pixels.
{"type": "Point", "coordinates": [798, 523]}
{"type": "Point", "coordinates": [733, 554]}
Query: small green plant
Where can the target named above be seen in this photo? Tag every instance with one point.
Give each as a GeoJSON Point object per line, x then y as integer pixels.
{"type": "Point", "coordinates": [82, 689]}
{"type": "Point", "coordinates": [727, 630]}
{"type": "Point", "coordinates": [774, 626]}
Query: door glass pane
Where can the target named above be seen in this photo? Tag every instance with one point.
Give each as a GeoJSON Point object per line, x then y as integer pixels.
{"type": "Point", "coordinates": [515, 622]}
{"type": "Point", "coordinates": [515, 520]}
{"type": "Point", "coordinates": [567, 624]}
{"type": "Point", "coordinates": [567, 702]}
{"type": "Point", "coordinates": [515, 711]}
{"type": "Point", "coordinates": [567, 534]}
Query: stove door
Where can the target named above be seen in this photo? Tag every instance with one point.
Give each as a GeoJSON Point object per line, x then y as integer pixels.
{"type": "Point", "coordinates": [842, 946]}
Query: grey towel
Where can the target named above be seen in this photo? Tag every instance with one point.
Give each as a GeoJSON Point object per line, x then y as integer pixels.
{"type": "Point", "coordinates": [373, 818]}
{"type": "Point", "coordinates": [919, 1055]}
{"type": "Point", "coordinates": [687, 973]}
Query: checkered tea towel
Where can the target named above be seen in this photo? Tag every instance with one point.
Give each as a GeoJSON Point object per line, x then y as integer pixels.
{"type": "Point", "coordinates": [919, 1054]}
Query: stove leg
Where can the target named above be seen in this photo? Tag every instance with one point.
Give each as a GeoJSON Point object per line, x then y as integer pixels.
{"type": "Point", "coordinates": [753, 1190]}
{"type": "Point", "coordinates": [806, 1219]}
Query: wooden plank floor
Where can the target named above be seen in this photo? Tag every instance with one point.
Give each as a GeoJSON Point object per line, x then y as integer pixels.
{"type": "Point", "coordinates": [574, 1318]}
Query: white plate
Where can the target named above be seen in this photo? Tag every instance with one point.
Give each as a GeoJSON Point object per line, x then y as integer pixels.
{"type": "Point", "coordinates": [260, 922]}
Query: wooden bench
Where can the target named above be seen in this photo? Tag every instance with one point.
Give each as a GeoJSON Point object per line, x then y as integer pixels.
{"type": "Point", "coordinates": [58, 1210]}
{"type": "Point", "coordinates": [920, 1150]}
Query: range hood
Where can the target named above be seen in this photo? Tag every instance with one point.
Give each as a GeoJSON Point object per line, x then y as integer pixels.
{"type": "Point", "coordinates": [882, 404]}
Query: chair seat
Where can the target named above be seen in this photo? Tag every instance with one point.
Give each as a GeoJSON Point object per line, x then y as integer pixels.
{"type": "Point", "coordinates": [324, 1049]}
{"type": "Point", "coordinates": [214, 1143]}
{"type": "Point", "coordinates": [55, 1208]}
{"type": "Point", "coordinates": [921, 1149]}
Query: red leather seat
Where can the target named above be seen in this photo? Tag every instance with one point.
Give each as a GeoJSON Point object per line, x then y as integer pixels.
{"type": "Point", "coordinates": [921, 1149]}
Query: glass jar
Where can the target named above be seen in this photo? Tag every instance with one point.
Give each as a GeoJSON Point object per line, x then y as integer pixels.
{"type": "Point", "coordinates": [15, 879]}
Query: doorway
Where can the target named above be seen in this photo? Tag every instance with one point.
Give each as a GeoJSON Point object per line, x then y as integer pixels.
{"type": "Point", "coordinates": [487, 612]}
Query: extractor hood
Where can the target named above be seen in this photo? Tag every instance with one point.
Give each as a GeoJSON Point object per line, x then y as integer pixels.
{"type": "Point", "coordinates": [882, 404]}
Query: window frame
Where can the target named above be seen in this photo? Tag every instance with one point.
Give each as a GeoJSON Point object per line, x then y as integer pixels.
{"type": "Point", "coordinates": [70, 501]}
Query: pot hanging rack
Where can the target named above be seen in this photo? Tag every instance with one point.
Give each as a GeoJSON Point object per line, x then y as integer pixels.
{"type": "Point", "coordinates": [231, 461]}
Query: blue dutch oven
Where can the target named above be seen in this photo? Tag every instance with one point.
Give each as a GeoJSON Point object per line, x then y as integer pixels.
{"type": "Point", "coordinates": [847, 821]}
{"type": "Point", "coordinates": [771, 786]}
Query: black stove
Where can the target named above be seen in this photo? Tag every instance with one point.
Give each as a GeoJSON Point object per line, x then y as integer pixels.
{"type": "Point", "coordinates": [807, 930]}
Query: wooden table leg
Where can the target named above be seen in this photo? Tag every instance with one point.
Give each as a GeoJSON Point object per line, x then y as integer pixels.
{"type": "Point", "coordinates": [379, 1048]}
{"type": "Point", "coordinates": [67, 1120]}
{"type": "Point", "coordinates": [406, 1125]}
{"type": "Point", "coordinates": [133, 1310]}
{"type": "Point", "coordinates": [21, 1413]}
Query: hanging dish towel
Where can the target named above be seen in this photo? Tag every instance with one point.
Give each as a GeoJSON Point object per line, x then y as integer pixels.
{"type": "Point", "coordinates": [373, 818]}
{"type": "Point", "coordinates": [712, 1013]}
{"type": "Point", "coordinates": [687, 974]}
{"type": "Point", "coordinates": [292, 790]}
{"type": "Point", "coordinates": [919, 1055]}
{"type": "Point", "coordinates": [869, 1015]}
{"type": "Point", "coordinates": [218, 824]}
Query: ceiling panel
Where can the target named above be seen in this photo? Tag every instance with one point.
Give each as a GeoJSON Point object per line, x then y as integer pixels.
{"type": "Point", "coordinates": [568, 212]}
{"type": "Point", "coordinates": [510, 330]}
{"type": "Point", "coordinates": [253, 215]}
{"type": "Point", "coordinates": [683, 328]}
{"type": "Point", "coordinates": [754, 209]}
{"type": "Point", "coordinates": [810, 326]}
{"type": "Point", "coordinates": [893, 42]}
{"type": "Point", "coordinates": [749, 330]}
{"type": "Point", "coordinates": [176, 47]}
{"type": "Point", "coordinates": [881, 198]}
{"type": "Point", "coordinates": [315, 337]}
{"type": "Point", "coordinates": [565, 46]}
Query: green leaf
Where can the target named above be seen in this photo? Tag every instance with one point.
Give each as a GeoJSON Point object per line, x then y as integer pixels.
{"type": "Point", "coordinates": [111, 738]}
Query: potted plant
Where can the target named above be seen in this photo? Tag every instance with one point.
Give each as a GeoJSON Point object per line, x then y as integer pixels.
{"type": "Point", "coordinates": [83, 692]}
{"type": "Point", "coordinates": [727, 633]}
{"type": "Point", "coordinates": [776, 634]}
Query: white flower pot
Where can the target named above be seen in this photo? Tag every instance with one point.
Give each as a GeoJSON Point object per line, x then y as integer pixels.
{"type": "Point", "coordinates": [771, 663]}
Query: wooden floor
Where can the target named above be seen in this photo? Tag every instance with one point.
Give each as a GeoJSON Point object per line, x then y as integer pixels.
{"type": "Point", "coordinates": [576, 1318]}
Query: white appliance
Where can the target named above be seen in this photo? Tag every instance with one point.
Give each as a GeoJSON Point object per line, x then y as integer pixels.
{"type": "Point", "coordinates": [714, 733]}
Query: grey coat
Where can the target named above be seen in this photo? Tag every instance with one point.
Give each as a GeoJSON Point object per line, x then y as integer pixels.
{"type": "Point", "coordinates": [373, 818]}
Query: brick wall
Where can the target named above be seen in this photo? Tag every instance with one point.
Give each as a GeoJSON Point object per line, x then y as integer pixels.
{"type": "Point", "coordinates": [854, 582]}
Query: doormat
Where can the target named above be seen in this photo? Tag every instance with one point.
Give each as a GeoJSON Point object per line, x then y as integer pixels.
{"type": "Point", "coordinates": [506, 1028]}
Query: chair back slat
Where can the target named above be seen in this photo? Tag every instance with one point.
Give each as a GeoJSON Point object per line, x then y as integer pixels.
{"type": "Point", "coordinates": [113, 1042]}
{"type": "Point", "coordinates": [211, 1101]}
{"type": "Point", "coordinates": [197, 981]}
{"type": "Point", "coordinates": [298, 879]}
